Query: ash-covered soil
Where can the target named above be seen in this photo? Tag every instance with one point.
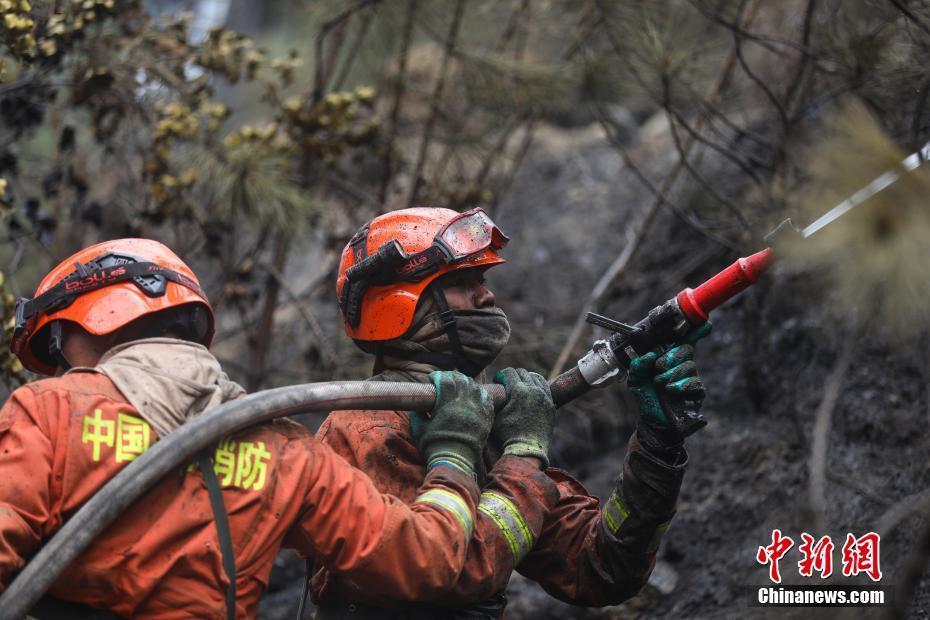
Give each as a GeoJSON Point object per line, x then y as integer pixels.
{"type": "Point", "coordinates": [765, 366]}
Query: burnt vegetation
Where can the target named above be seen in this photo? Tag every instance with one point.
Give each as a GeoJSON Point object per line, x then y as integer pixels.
{"type": "Point", "coordinates": [629, 149]}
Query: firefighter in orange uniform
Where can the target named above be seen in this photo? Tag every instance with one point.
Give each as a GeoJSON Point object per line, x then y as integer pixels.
{"type": "Point", "coordinates": [124, 326]}
{"type": "Point", "coordinates": [411, 289]}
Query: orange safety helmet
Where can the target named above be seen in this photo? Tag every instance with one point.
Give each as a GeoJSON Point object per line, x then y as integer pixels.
{"type": "Point", "coordinates": [103, 288]}
{"type": "Point", "coordinates": [391, 260]}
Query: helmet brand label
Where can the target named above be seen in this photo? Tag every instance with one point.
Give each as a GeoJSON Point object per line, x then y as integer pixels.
{"type": "Point", "coordinates": [413, 263]}
{"type": "Point", "coordinates": [95, 278]}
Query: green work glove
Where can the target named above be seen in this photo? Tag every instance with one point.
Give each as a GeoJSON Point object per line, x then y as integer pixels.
{"type": "Point", "coordinates": [524, 426]}
{"type": "Point", "coordinates": [669, 394]}
{"type": "Point", "coordinates": [455, 432]}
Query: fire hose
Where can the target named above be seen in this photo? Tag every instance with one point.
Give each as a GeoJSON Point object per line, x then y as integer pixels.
{"type": "Point", "coordinates": [605, 363]}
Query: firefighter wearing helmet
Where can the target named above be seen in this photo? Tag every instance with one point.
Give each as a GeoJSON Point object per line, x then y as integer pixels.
{"type": "Point", "coordinates": [412, 293]}
{"type": "Point", "coordinates": [124, 326]}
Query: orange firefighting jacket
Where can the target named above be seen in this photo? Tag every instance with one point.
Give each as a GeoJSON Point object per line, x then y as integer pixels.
{"type": "Point", "coordinates": [61, 439]}
{"type": "Point", "coordinates": [578, 549]}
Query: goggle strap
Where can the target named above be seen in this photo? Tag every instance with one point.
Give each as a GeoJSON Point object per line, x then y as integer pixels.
{"type": "Point", "coordinates": [387, 266]}
{"type": "Point", "coordinates": [351, 301]}
{"type": "Point", "coordinates": [65, 292]}
{"type": "Point", "coordinates": [359, 244]}
{"type": "Point", "coordinates": [55, 349]}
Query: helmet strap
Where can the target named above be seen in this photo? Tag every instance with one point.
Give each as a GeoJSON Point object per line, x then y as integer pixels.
{"type": "Point", "coordinates": [457, 360]}
{"type": "Point", "coordinates": [54, 346]}
{"type": "Point", "coordinates": [446, 316]}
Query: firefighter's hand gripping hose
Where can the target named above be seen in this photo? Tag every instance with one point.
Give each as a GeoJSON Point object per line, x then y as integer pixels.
{"type": "Point", "coordinates": [457, 428]}
{"type": "Point", "coordinates": [524, 425]}
{"type": "Point", "coordinates": [668, 393]}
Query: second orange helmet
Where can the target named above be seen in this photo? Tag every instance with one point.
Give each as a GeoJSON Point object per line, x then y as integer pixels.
{"type": "Point", "coordinates": [96, 288]}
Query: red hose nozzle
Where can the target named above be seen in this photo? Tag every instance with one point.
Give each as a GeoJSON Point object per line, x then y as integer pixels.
{"type": "Point", "coordinates": [697, 303]}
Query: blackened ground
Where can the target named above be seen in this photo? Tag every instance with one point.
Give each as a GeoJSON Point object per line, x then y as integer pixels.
{"type": "Point", "coordinates": [765, 366]}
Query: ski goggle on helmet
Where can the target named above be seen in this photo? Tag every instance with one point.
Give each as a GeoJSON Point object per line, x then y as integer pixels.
{"type": "Point", "coordinates": [461, 238]}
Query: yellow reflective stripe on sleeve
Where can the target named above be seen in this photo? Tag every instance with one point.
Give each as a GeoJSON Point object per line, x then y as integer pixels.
{"type": "Point", "coordinates": [657, 537]}
{"type": "Point", "coordinates": [448, 500]}
{"type": "Point", "coordinates": [615, 512]}
{"type": "Point", "coordinates": [510, 522]}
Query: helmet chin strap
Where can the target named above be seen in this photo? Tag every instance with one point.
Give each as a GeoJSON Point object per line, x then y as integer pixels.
{"type": "Point", "coordinates": [55, 339]}
{"type": "Point", "coordinates": [447, 320]}
{"type": "Point", "coordinates": [54, 346]}
{"type": "Point", "coordinates": [456, 360]}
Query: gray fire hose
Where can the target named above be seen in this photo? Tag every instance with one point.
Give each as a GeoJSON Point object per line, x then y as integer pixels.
{"type": "Point", "coordinates": [183, 445]}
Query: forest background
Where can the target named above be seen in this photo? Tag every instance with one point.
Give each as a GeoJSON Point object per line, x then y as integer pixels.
{"type": "Point", "coordinates": [629, 149]}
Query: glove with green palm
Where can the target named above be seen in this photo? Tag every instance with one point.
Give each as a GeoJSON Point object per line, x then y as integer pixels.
{"type": "Point", "coordinates": [456, 430]}
{"type": "Point", "coordinates": [669, 394]}
{"type": "Point", "coordinates": [524, 425]}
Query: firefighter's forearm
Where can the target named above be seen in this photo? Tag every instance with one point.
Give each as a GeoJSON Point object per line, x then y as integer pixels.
{"type": "Point", "coordinates": [637, 514]}
{"type": "Point", "coordinates": [643, 502]}
{"type": "Point", "coordinates": [378, 542]}
{"type": "Point", "coordinates": [511, 514]}
{"type": "Point", "coordinates": [611, 548]}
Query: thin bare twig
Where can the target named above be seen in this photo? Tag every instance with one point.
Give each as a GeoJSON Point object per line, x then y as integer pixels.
{"type": "Point", "coordinates": [513, 26]}
{"type": "Point", "coordinates": [804, 61]}
{"type": "Point", "coordinates": [738, 42]}
{"type": "Point", "coordinates": [522, 150]}
{"type": "Point", "coordinates": [817, 465]}
{"type": "Point", "coordinates": [716, 114]}
{"type": "Point", "coordinates": [406, 37]}
{"type": "Point", "coordinates": [726, 153]}
{"type": "Point", "coordinates": [451, 38]}
{"type": "Point", "coordinates": [326, 63]}
{"type": "Point", "coordinates": [910, 15]}
{"type": "Point", "coordinates": [768, 43]}
{"type": "Point", "coordinates": [352, 54]}
{"type": "Point", "coordinates": [857, 486]}
{"type": "Point", "coordinates": [618, 266]}
{"type": "Point", "coordinates": [901, 510]}
{"type": "Point", "coordinates": [591, 20]}
{"type": "Point", "coordinates": [491, 158]}
{"type": "Point", "coordinates": [326, 274]}
{"type": "Point", "coordinates": [914, 568]}
{"type": "Point", "coordinates": [326, 347]}
{"type": "Point", "coordinates": [261, 340]}
{"type": "Point", "coordinates": [352, 190]}
{"type": "Point", "coordinates": [683, 158]}
{"type": "Point", "coordinates": [923, 91]}
{"type": "Point", "coordinates": [588, 23]}
{"type": "Point", "coordinates": [608, 124]}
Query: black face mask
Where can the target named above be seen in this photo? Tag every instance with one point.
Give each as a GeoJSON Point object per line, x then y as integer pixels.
{"type": "Point", "coordinates": [482, 335]}
{"type": "Point", "coordinates": [464, 340]}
